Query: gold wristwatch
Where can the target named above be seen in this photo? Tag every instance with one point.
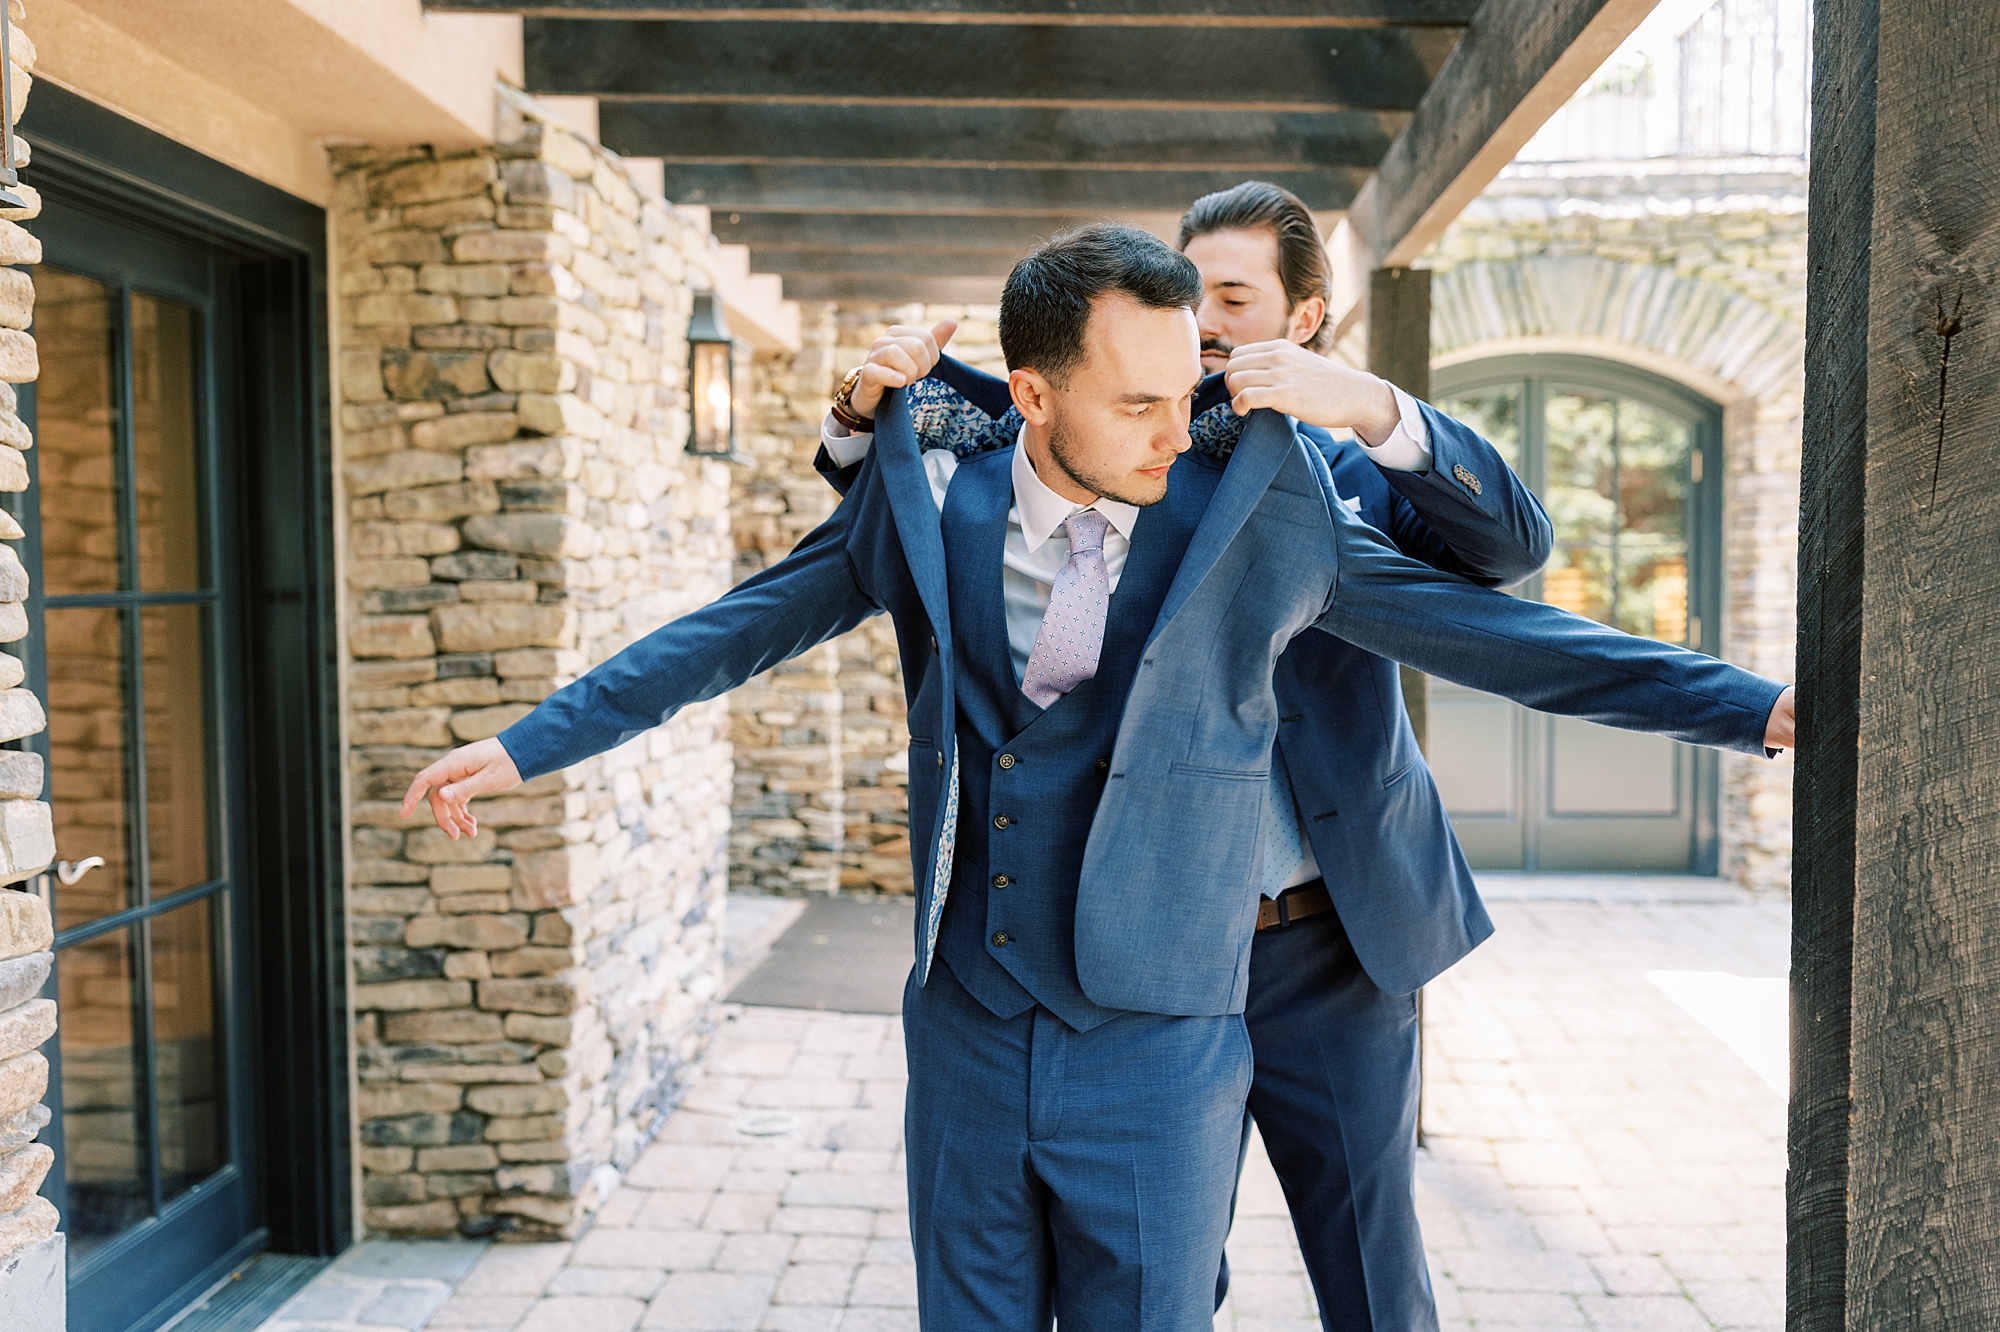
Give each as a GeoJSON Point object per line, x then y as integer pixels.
{"type": "Point", "coordinates": [843, 405]}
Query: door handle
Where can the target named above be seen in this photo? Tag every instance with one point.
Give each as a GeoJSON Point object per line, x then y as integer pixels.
{"type": "Point", "coordinates": [69, 872]}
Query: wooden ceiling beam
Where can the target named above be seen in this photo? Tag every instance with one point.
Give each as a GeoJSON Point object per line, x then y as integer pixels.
{"type": "Point", "coordinates": [905, 65]}
{"type": "Point", "coordinates": [861, 263]}
{"type": "Point", "coordinates": [1065, 13]}
{"type": "Point", "coordinates": [1247, 141]}
{"type": "Point", "coordinates": [971, 192]}
{"type": "Point", "coordinates": [916, 233]}
{"type": "Point", "coordinates": [882, 289]}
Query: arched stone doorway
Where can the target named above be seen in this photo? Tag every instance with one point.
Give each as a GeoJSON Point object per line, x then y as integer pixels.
{"type": "Point", "coordinates": [1710, 339]}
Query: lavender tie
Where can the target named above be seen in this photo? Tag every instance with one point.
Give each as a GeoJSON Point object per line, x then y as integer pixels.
{"type": "Point", "coordinates": [1072, 632]}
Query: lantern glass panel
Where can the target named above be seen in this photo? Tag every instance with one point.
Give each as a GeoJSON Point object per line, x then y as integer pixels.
{"type": "Point", "coordinates": [712, 404]}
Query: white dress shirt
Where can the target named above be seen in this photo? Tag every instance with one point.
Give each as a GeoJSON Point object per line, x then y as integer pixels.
{"type": "Point", "coordinates": [1038, 542]}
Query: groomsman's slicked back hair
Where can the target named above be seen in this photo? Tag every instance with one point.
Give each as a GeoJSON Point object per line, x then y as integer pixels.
{"type": "Point", "coordinates": [1258, 206]}
{"type": "Point", "coordinates": [1045, 306]}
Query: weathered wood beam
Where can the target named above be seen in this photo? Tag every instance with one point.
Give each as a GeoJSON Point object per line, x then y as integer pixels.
{"type": "Point", "coordinates": [1832, 546]}
{"type": "Point", "coordinates": [1080, 13]}
{"type": "Point", "coordinates": [862, 263]}
{"type": "Point", "coordinates": [914, 233]}
{"type": "Point", "coordinates": [1923, 1190]}
{"type": "Point", "coordinates": [879, 290]}
{"type": "Point", "coordinates": [792, 135]}
{"type": "Point", "coordinates": [892, 64]}
{"type": "Point", "coordinates": [947, 190]}
{"type": "Point", "coordinates": [1518, 63]}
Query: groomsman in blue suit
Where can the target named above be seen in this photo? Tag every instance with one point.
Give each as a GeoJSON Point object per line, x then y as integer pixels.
{"type": "Point", "coordinates": [1088, 652]}
{"type": "Point", "coordinates": [1332, 1008]}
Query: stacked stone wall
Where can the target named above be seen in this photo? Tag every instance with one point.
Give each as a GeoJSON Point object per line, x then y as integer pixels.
{"type": "Point", "coordinates": [822, 748]}
{"type": "Point", "coordinates": [1744, 241]}
{"type": "Point", "coordinates": [519, 507]}
{"type": "Point", "coordinates": [31, 1252]}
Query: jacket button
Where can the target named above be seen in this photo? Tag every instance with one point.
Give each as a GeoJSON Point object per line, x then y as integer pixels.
{"type": "Point", "coordinates": [1002, 939]}
{"type": "Point", "coordinates": [1104, 765]}
{"type": "Point", "coordinates": [1001, 881]}
{"type": "Point", "coordinates": [1001, 821]}
{"type": "Point", "coordinates": [1006, 760]}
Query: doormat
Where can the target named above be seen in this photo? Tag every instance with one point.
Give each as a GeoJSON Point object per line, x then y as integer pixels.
{"type": "Point", "coordinates": [247, 1298]}
{"type": "Point", "coordinates": [842, 955]}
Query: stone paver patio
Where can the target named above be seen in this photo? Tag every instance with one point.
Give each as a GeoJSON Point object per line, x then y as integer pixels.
{"type": "Point", "coordinates": [1602, 1153]}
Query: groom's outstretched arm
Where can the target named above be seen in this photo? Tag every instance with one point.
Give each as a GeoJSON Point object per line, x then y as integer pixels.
{"type": "Point", "coordinates": [1540, 656]}
{"type": "Point", "coordinates": [811, 595]}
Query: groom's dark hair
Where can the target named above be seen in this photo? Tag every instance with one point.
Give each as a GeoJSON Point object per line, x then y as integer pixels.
{"type": "Point", "coordinates": [1256, 205]}
{"type": "Point", "coordinates": [1045, 306]}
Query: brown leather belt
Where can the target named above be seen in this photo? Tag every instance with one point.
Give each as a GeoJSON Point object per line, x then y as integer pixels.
{"type": "Point", "coordinates": [1308, 899]}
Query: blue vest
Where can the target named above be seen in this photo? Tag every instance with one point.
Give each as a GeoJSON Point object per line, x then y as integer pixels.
{"type": "Point", "coordinates": [1030, 778]}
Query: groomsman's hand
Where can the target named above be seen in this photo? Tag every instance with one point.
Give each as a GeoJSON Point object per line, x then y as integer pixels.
{"type": "Point", "coordinates": [899, 358]}
{"type": "Point", "coordinates": [481, 768]}
{"type": "Point", "coordinates": [1781, 730]}
{"type": "Point", "coordinates": [1288, 378]}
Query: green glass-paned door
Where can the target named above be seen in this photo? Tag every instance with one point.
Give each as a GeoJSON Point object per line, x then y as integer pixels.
{"type": "Point", "coordinates": [128, 612]}
{"type": "Point", "coordinates": [1625, 464]}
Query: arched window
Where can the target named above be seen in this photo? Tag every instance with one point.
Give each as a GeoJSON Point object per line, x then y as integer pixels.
{"type": "Point", "coordinates": [1629, 467]}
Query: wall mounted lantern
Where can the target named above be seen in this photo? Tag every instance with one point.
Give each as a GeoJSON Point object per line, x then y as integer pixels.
{"type": "Point", "coordinates": [711, 380]}
{"type": "Point", "coordinates": [8, 177]}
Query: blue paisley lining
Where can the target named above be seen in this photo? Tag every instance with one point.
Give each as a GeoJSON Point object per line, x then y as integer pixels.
{"type": "Point", "coordinates": [943, 418]}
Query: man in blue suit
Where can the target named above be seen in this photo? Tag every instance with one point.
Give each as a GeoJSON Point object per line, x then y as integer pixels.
{"type": "Point", "coordinates": [1331, 1010]}
{"type": "Point", "coordinates": [1090, 771]}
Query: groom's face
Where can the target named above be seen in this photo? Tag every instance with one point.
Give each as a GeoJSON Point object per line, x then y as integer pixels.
{"type": "Point", "coordinates": [1120, 417]}
{"type": "Point", "coordinates": [1243, 298]}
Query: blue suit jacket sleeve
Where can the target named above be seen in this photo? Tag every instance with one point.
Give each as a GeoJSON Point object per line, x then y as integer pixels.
{"type": "Point", "coordinates": [811, 595]}
{"type": "Point", "coordinates": [1496, 537]}
{"type": "Point", "coordinates": [1545, 658]}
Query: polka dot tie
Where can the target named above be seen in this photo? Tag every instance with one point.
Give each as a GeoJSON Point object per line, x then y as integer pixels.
{"type": "Point", "coordinates": [1072, 632]}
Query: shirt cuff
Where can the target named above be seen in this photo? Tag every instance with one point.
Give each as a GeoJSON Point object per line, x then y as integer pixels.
{"type": "Point", "coordinates": [847, 448]}
{"type": "Point", "coordinates": [1408, 448]}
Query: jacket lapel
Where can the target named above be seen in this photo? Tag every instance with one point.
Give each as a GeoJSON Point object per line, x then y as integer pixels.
{"type": "Point", "coordinates": [1266, 442]}
{"type": "Point", "coordinates": [909, 490]}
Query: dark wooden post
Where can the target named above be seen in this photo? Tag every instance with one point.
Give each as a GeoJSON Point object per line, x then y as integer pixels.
{"type": "Point", "coordinates": [1399, 350]}
{"type": "Point", "coordinates": [1894, 1190]}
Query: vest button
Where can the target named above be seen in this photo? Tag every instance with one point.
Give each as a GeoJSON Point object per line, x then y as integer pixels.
{"type": "Point", "coordinates": [1104, 765]}
{"type": "Point", "coordinates": [1001, 821]}
{"type": "Point", "coordinates": [1007, 760]}
{"type": "Point", "coordinates": [1001, 881]}
{"type": "Point", "coordinates": [940, 760]}
{"type": "Point", "coordinates": [1002, 939]}
{"type": "Point", "coordinates": [934, 646]}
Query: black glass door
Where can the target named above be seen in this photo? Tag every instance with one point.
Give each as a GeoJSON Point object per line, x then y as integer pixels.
{"type": "Point", "coordinates": [153, 1125]}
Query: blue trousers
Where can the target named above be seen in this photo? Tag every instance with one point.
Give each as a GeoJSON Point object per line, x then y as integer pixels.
{"type": "Point", "coordinates": [1057, 1174]}
{"type": "Point", "coordinates": [1335, 1098]}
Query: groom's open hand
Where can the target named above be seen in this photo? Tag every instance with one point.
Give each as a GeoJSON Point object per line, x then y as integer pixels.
{"type": "Point", "coordinates": [481, 768]}
{"type": "Point", "coordinates": [898, 359]}
{"type": "Point", "coordinates": [1287, 378]}
{"type": "Point", "coordinates": [1781, 730]}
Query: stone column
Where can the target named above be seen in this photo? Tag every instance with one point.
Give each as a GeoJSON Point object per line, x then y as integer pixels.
{"type": "Point", "coordinates": [512, 366]}
{"type": "Point", "coordinates": [32, 1273]}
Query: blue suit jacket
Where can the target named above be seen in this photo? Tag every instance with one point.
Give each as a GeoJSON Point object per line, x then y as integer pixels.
{"type": "Point", "coordinates": [1167, 898]}
{"type": "Point", "coordinates": [1378, 828]}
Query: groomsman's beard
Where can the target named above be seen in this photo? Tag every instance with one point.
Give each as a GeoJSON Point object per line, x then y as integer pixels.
{"type": "Point", "coordinates": [1130, 488]}
{"type": "Point", "coordinates": [1216, 347]}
